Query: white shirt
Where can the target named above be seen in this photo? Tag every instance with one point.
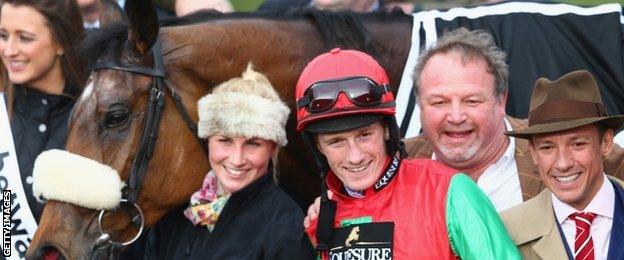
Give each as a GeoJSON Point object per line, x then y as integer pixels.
{"type": "Point", "coordinates": [94, 25]}
{"type": "Point", "coordinates": [602, 204]}
{"type": "Point", "coordinates": [500, 181]}
{"type": "Point", "coordinates": [121, 3]}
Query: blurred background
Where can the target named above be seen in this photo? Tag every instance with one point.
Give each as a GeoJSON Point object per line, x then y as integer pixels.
{"type": "Point", "coordinates": [250, 5]}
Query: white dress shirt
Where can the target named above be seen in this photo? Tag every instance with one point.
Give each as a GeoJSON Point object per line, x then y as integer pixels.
{"type": "Point", "coordinates": [94, 25]}
{"type": "Point", "coordinates": [602, 204]}
{"type": "Point", "coordinates": [500, 181]}
{"type": "Point", "coordinates": [121, 3]}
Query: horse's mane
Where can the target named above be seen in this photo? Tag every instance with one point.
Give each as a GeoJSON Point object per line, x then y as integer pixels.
{"type": "Point", "coordinates": [338, 29]}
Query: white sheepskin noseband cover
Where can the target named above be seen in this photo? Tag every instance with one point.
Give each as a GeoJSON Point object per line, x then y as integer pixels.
{"type": "Point", "coordinates": [67, 177]}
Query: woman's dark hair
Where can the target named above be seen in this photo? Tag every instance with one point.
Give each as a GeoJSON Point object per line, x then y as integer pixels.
{"type": "Point", "coordinates": [65, 22]}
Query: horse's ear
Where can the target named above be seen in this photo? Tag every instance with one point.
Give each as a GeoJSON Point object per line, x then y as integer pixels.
{"type": "Point", "coordinates": [143, 28]}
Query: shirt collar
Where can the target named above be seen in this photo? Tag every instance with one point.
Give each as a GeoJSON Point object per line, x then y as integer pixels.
{"type": "Point", "coordinates": [391, 169]}
{"type": "Point", "coordinates": [121, 3]}
{"type": "Point", "coordinates": [602, 204]}
{"type": "Point", "coordinates": [94, 25]}
{"type": "Point", "coordinates": [509, 152]}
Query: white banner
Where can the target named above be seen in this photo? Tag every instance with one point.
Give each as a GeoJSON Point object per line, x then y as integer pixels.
{"type": "Point", "coordinates": [18, 223]}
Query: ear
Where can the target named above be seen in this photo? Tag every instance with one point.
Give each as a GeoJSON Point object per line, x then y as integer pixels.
{"type": "Point", "coordinates": [275, 149]}
{"type": "Point", "coordinates": [503, 101]}
{"type": "Point", "coordinates": [386, 134]}
{"type": "Point", "coordinates": [532, 149]}
{"type": "Point", "coordinates": [318, 145]}
{"type": "Point", "coordinates": [607, 142]}
{"type": "Point", "coordinates": [59, 51]}
{"type": "Point", "coordinates": [143, 25]}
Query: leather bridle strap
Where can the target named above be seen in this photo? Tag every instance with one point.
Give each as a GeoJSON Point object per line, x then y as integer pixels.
{"type": "Point", "coordinates": [187, 119]}
{"type": "Point", "coordinates": [148, 140]}
{"type": "Point", "coordinates": [156, 105]}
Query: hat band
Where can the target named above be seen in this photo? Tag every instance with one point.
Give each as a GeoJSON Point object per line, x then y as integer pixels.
{"type": "Point", "coordinates": [560, 110]}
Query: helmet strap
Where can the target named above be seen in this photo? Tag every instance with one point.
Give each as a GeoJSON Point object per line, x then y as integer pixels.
{"type": "Point", "coordinates": [394, 143]}
{"type": "Point", "coordinates": [327, 211]}
{"type": "Point", "coordinates": [325, 224]}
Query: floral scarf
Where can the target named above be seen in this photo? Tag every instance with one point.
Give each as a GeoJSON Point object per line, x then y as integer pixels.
{"type": "Point", "coordinates": [206, 203]}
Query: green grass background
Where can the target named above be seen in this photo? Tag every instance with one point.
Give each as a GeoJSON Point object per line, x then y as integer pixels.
{"type": "Point", "coordinates": [246, 5]}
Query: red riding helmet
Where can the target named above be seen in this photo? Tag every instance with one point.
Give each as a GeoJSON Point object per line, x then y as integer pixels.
{"type": "Point", "coordinates": [344, 84]}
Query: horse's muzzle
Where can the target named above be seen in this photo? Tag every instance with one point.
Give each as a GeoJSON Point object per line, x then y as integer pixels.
{"type": "Point", "coordinates": [48, 252]}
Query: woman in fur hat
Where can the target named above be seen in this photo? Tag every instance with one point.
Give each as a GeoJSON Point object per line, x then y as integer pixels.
{"type": "Point", "coordinates": [239, 213]}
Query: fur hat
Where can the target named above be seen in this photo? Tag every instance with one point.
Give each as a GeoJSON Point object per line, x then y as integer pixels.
{"type": "Point", "coordinates": [247, 106]}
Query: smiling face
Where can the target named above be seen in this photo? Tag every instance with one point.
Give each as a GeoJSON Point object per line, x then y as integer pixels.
{"type": "Point", "coordinates": [460, 113]}
{"type": "Point", "coordinates": [356, 156]}
{"type": "Point", "coordinates": [238, 161]}
{"type": "Point", "coordinates": [570, 162]}
{"type": "Point", "coordinates": [28, 49]}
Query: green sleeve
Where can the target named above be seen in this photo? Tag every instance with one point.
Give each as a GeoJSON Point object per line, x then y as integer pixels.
{"type": "Point", "coordinates": [474, 228]}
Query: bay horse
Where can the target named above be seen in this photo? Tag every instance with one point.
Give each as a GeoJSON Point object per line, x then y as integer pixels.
{"type": "Point", "coordinates": [108, 119]}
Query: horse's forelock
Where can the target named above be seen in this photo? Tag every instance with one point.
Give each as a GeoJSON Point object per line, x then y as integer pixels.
{"type": "Point", "coordinates": [101, 41]}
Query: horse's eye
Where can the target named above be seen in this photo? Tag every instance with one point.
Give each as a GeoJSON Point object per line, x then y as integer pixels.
{"type": "Point", "coordinates": [115, 118]}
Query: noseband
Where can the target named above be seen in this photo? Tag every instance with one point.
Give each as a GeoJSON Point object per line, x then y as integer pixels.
{"type": "Point", "coordinates": [149, 135]}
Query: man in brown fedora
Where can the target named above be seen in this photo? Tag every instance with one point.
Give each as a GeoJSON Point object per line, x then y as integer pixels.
{"type": "Point", "coordinates": [580, 215]}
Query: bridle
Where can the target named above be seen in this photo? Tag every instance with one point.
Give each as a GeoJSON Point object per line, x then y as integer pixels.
{"type": "Point", "coordinates": [149, 135]}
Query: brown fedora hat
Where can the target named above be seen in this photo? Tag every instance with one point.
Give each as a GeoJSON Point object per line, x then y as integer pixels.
{"type": "Point", "coordinates": [568, 102]}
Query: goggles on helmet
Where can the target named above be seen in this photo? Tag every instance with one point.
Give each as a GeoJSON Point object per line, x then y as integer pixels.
{"type": "Point", "coordinates": [361, 91]}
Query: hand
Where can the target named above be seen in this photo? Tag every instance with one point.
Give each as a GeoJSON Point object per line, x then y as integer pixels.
{"type": "Point", "coordinates": [314, 209]}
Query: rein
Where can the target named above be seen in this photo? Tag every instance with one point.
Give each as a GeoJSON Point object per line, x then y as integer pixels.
{"type": "Point", "coordinates": [149, 135]}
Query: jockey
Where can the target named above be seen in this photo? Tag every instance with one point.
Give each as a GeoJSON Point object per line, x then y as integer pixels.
{"type": "Point", "coordinates": [383, 206]}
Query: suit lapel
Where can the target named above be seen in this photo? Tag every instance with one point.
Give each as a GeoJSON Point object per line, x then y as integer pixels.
{"type": "Point", "coordinates": [549, 244]}
{"type": "Point", "coordinates": [616, 243]}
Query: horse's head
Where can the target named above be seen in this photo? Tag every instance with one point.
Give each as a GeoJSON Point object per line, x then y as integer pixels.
{"type": "Point", "coordinates": [109, 121]}
{"type": "Point", "coordinates": [116, 121]}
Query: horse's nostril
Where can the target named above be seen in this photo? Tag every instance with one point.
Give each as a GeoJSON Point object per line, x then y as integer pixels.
{"type": "Point", "coordinates": [51, 253]}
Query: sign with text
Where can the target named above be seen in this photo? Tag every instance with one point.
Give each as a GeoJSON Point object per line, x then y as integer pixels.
{"type": "Point", "coordinates": [18, 223]}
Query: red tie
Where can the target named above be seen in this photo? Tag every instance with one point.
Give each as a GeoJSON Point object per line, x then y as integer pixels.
{"type": "Point", "coordinates": [583, 244]}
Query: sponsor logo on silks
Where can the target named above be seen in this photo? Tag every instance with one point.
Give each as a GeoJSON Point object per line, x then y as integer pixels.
{"type": "Point", "coordinates": [372, 241]}
{"type": "Point", "coordinates": [363, 254]}
{"type": "Point", "coordinates": [389, 175]}
{"type": "Point", "coordinates": [354, 221]}
{"type": "Point", "coordinates": [353, 236]}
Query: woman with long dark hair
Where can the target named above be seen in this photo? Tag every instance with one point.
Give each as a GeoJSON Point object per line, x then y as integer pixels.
{"type": "Point", "coordinates": [42, 76]}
